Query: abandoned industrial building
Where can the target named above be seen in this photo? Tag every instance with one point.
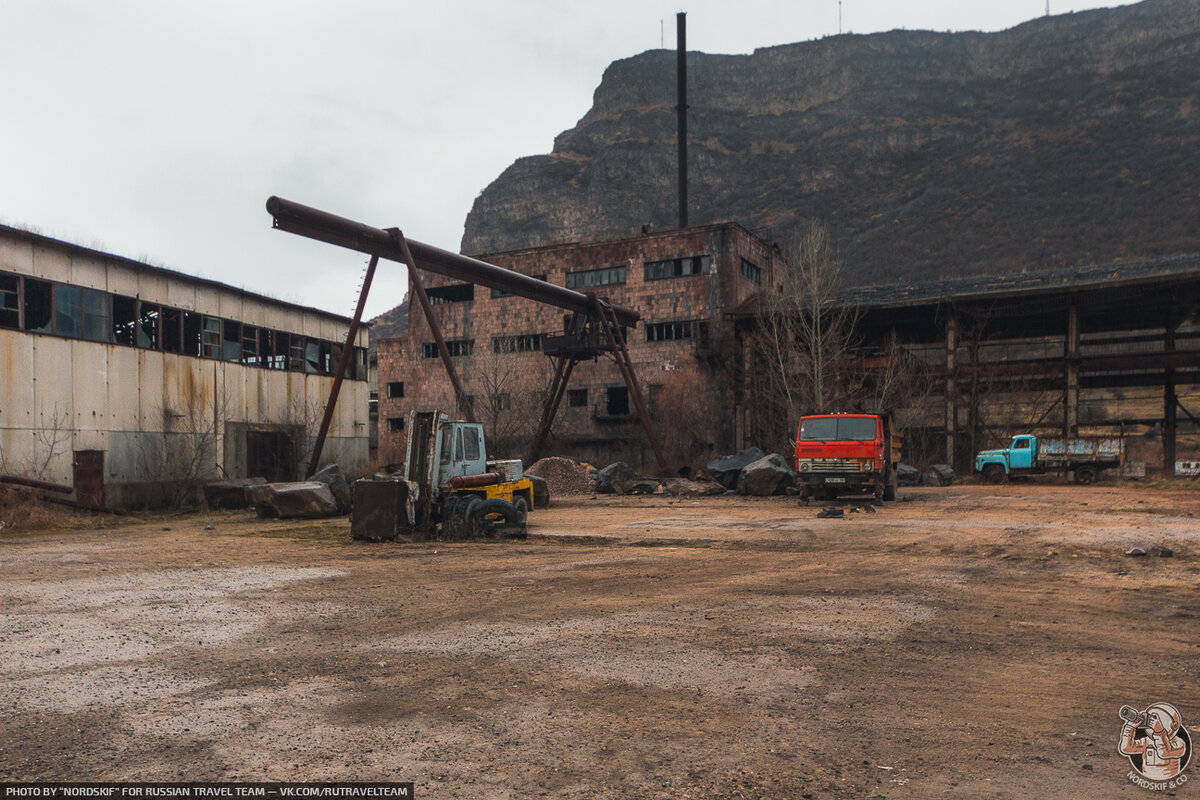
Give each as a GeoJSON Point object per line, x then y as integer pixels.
{"type": "Point", "coordinates": [681, 282]}
{"type": "Point", "coordinates": [1091, 349]}
{"type": "Point", "coordinates": [129, 383]}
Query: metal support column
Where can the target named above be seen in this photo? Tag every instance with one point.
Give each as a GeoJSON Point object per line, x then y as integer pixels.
{"type": "Point", "coordinates": [339, 372]}
{"type": "Point", "coordinates": [1170, 401]}
{"type": "Point", "coordinates": [558, 388]}
{"type": "Point", "coordinates": [1071, 387]}
{"type": "Point", "coordinates": [951, 393]}
{"type": "Point", "coordinates": [434, 326]}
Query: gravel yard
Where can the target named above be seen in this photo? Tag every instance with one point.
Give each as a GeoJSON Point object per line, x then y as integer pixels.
{"type": "Point", "coordinates": [975, 641]}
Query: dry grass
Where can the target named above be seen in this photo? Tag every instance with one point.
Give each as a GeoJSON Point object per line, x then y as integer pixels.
{"type": "Point", "coordinates": [22, 511]}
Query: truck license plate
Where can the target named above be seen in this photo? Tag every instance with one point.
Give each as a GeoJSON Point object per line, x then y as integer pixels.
{"type": "Point", "coordinates": [835, 480]}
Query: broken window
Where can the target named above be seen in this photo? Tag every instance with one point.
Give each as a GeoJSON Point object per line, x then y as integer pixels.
{"type": "Point", "coordinates": [97, 316]}
{"type": "Point", "coordinates": [672, 331]}
{"type": "Point", "coordinates": [618, 401]}
{"type": "Point", "coordinates": [39, 316]}
{"type": "Point", "coordinates": [457, 348]}
{"type": "Point", "coordinates": [148, 319]}
{"type": "Point", "coordinates": [360, 363]}
{"type": "Point", "coordinates": [608, 276]}
{"type": "Point", "coordinates": [329, 356]}
{"type": "Point", "coordinates": [10, 302]}
{"type": "Point", "coordinates": [250, 346]}
{"type": "Point", "coordinates": [457, 293]}
{"type": "Point", "coordinates": [751, 271]}
{"type": "Point", "coordinates": [395, 389]}
{"type": "Point", "coordinates": [312, 356]}
{"type": "Point", "coordinates": [523, 343]}
{"type": "Point", "coordinates": [68, 311]}
{"type": "Point", "coordinates": [677, 267]}
{"type": "Point", "coordinates": [231, 341]}
{"type": "Point", "coordinates": [212, 337]}
{"type": "Point", "coordinates": [192, 336]}
{"type": "Point", "coordinates": [296, 353]}
{"type": "Point", "coordinates": [576, 398]}
{"type": "Point", "coordinates": [124, 319]}
{"type": "Point", "coordinates": [395, 424]}
{"type": "Point", "coordinates": [501, 401]}
{"type": "Point", "coordinates": [172, 331]}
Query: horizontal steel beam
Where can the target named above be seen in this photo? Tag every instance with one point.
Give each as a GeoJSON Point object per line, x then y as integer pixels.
{"type": "Point", "coordinates": [332, 229]}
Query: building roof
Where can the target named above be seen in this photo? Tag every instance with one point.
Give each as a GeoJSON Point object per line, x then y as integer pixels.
{"type": "Point", "coordinates": [983, 287]}
{"type": "Point", "coordinates": [18, 233]}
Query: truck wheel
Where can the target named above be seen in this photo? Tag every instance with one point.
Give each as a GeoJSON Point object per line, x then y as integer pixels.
{"type": "Point", "coordinates": [889, 490]}
{"type": "Point", "coordinates": [1085, 475]}
{"type": "Point", "coordinates": [993, 473]}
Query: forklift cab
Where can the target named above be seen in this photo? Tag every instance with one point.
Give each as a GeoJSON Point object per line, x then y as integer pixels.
{"type": "Point", "coordinates": [461, 451]}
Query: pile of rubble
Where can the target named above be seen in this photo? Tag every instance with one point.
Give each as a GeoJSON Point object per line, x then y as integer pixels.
{"type": "Point", "coordinates": [563, 476]}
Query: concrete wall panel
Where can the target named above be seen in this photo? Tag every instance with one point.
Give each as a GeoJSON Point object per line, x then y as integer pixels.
{"type": "Point", "coordinates": [123, 279]}
{"type": "Point", "coordinates": [89, 385]}
{"type": "Point", "coordinates": [89, 271]}
{"type": "Point", "coordinates": [16, 387]}
{"type": "Point", "coordinates": [16, 256]}
{"type": "Point", "coordinates": [51, 264]}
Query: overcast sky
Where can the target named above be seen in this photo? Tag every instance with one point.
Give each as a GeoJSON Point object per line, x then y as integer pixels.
{"type": "Point", "coordinates": [156, 129]}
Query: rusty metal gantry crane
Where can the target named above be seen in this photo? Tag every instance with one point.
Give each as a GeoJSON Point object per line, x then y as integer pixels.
{"type": "Point", "coordinates": [594, 326]}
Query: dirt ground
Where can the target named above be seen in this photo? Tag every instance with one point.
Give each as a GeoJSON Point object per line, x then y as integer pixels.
{"type": "Point", "coordinates": [974, 641]}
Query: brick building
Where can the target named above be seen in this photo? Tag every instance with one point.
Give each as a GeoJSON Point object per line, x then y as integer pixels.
{"type": "Point", "coordinates": [683, 283]}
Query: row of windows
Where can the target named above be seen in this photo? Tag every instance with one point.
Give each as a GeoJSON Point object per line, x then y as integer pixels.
{"type": "Point", "coordinates": [523, 343]}
{"type": "Point", "coordinates": [457, 347]}
{"type": "Point", "coordinates": [751, 271]}
{"type": "Point", "coordinates": [589, 278]}
{"type": "Point", "coordinates": [76, 312]}
{"type": "Point", "coordinates": [678, 267]}
{"type": "Point", "coordinates": [585, 279]}
{"type": "Point", "coordinates": [532, 342]}
{"type": "Point", "coordinates": [672, 331]}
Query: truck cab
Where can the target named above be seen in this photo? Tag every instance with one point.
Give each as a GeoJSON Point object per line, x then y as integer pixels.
{"type": "Point", "coordinates": [847, 453]}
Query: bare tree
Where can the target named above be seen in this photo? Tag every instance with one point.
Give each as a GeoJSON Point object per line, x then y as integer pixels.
{"type": "Point", "coordinates": [684, 408]}
{"type": "Point", "coordinates": [508, 383]}
{"type": "Point", "coordinates": [805, 338]}
{"type": "Point", "coordinates": [51, 434]}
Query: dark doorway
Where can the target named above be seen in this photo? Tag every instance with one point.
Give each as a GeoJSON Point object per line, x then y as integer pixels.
{"type": "Point", "coordinates": [271, 455]}
{"type": "Point", "coordinates": [88, 469]}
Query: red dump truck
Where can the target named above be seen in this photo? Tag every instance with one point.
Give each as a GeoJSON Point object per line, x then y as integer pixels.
{"type": "Point", "coordinates": [847, 454]}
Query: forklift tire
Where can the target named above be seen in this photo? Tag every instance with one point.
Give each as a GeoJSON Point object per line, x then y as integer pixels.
{"type": "Point", "coordinates": [497, 518]}
{"type": "Point", "coordinates": [522, 507]}
{"type": "Point", "coordinates": [451, 521]}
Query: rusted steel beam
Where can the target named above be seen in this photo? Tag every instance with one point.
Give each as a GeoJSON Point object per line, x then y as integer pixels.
{"type": "Point", "coordinates": [427, 307]}
{"type": "Point", "coordinates": [340, 371]}
{"type": "Point", "coordinates": [332, 229]}
{"type": "Point", "coordinates": [45, 486]}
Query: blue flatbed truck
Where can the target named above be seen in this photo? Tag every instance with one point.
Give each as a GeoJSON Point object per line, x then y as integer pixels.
{"type": "Point", "coordinates": [1084, 456]}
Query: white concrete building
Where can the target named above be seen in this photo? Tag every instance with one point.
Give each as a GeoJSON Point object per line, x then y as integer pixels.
{"type": "Point", "coordinates": [127, 381]}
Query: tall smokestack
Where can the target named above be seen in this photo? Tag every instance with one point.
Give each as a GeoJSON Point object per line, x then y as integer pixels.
{"type": "Point", "coordinates": [682, 107]}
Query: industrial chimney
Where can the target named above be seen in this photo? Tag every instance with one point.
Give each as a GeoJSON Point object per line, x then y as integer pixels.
{"type": "Point", "coordinates": [681, 108]}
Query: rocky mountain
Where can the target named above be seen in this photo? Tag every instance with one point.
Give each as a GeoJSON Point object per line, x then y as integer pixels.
{"type": "Point", "coordinates": [1068, 139]}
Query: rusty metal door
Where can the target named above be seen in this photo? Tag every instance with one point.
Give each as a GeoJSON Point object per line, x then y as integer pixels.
{"type": "Point", "coordinates": [88, 468]}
